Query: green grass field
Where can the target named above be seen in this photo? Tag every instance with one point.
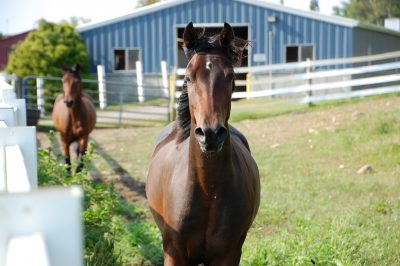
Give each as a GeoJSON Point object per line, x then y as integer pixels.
{"type": "Point", "coordinates": [315, 208]}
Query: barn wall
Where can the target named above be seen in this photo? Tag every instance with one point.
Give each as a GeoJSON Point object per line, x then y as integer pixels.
{"type": "Point", "coordinates": [368, 42]}
{"type": "Point", "coordinates": [155, 33]}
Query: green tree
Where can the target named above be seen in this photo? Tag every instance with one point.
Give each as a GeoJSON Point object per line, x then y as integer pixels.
{"type": "Point", "coordinates": [370, 11]}
{"type": "Point", "coordinates": [47, 49]}
{"type": "Point", "coordinates": [314, 5]}
{"type": "Point", "coordinates": [142, 3]}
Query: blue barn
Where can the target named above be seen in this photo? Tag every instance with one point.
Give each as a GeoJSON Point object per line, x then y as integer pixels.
{"type": "Point", "coordinates": [278, 33]}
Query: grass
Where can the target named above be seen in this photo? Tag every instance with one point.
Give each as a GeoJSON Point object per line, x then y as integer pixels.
{"type": "Point", "coordinates": [316, 209]}
{"type": "Point", "coordinates": [116, 232]}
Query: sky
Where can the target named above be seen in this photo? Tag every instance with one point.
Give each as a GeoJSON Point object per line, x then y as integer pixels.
{"type": "Point", "coordinates": [17, 16]}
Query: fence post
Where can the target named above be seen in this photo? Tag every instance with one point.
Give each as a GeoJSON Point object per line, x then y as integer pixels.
{"type": "Point", "coordinates": [101, 77]}
{"type": "Point", "coordinates": [121, 102]}
{"type": "Point", "coordinates": [164, 73]}
{"type": "Point", "coordinates": [40, 95]}
{"type": "Point", "coordinates": [248, 83]}
{"type": "Point", "coordinates": [171, 107]}
{"type": "Point", "coordinates": [14, 80]}
{"type": "Point", "coordinates": [308, 71]}
{"type": "Point", "coordinates": [139, 81]}
{"type": "Point", "coordinates": [165, 81]}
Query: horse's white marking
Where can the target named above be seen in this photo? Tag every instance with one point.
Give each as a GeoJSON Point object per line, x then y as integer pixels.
{"type": "Point", "coordinates": [208, 65]}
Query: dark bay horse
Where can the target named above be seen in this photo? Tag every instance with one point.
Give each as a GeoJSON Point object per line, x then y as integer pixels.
{"type": "Point", "coordinates": [203, 185]}
{"type": "Point", "coordinates": [74, 115]}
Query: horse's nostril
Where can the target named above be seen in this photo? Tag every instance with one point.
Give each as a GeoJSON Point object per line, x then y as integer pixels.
{"type": "Point", "coordinates": [222, 133]}
{"type": "Point", "coordinates": [211, 139]}
{"type": "Point", "coordinates": [200, 134]}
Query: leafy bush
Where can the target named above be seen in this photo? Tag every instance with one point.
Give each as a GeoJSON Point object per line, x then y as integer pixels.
{"type": "Point", "coordinates": [100, 201]}
{"type": "Point", "coordinates": [116, 232]}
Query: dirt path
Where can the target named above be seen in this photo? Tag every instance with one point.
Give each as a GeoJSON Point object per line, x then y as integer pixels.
{"type": "Point", "coordinates": [122, 154]}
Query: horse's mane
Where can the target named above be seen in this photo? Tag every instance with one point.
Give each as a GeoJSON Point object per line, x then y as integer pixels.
{"type": "Point", "coordinates": [183, 113]}
{"type": "Point", "coordinates": [204, 44]}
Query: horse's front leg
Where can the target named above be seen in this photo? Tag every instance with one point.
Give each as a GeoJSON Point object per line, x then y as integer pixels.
{"type": "Point", "coordinates": [80, 151]}
{"type": "Point", "coordinates": [174, 258]}
{"type": "Point", "coordinates": [231, 258]}
{"type": "Point", "coordinates": [65, 146]}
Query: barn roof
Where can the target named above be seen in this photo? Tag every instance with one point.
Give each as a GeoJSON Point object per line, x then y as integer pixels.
{"type": "Point", "coordinates": [260, 3]}
{"type": "Point", "coordinates": [347, 22]}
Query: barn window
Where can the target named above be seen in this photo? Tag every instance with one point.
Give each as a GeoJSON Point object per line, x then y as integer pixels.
{"type": "Point", "coordinates": [306, 52]}
{"type": "Point", "coordinates": [292, 54]}
{"type": "Point", "coordinates": [125, 59]}
{"type": "Point", "coordinates": [297, 53]}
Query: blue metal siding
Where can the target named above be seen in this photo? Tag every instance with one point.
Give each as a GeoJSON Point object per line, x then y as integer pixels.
{"type": "Point", "coordinates": [155, 33]}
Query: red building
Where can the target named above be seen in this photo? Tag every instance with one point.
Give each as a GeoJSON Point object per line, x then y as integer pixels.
{"type": "Point", "coordinates": [6, 46]}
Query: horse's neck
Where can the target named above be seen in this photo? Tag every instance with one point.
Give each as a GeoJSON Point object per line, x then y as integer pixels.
{"type": "Point", "coordinates": [75, 110]}
{"type": "Point", "coordinates": [209, 170]}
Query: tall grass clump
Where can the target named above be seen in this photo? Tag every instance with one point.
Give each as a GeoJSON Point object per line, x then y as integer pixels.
{"type": "Point", "coordinates": [115, 232]}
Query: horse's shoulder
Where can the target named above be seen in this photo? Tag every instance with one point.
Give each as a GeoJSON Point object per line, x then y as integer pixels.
{"type": "Point", "coordinates": [58, 98]}
{"type": "Point", "coordinates": [236, 133]}
{"type": "Point", "coordinates": [86, 97]}
{"type": "Point", "coordinates": [166, 133]}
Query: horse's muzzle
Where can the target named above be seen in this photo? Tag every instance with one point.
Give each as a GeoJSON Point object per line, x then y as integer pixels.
{"type": "Point", "coordinates": [69, 103]}
{"type": "Point", "coordinates": [211, 140]}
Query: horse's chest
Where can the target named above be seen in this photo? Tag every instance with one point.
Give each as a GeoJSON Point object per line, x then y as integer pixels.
{"type": "Point", "coordinates": [77, 129]}
{"type": "Point", "coordinates": [214, 226]}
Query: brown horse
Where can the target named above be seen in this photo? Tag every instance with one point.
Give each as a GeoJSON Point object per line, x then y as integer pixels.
{"type": "Point", "coordinates": [203, 185]}
{"type": "Point", "coordinates": [74, 115]}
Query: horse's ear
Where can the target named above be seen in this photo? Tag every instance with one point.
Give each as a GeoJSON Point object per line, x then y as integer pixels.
{"type": "Point", "coordinates": [189, 37]}
{"type": "Point", "coordinates": [76, 68]}
{"type": "Point", "coordinates": [226, 36]}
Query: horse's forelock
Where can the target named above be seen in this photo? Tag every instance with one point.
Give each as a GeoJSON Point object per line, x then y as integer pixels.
{"type": "Point", "coordinates": [234, 51]}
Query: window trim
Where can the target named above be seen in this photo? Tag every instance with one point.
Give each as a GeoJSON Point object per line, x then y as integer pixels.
{"type": "Point", "coordinates": [299, 49]}
{"type": "Point", "coordinates": [126, 49]}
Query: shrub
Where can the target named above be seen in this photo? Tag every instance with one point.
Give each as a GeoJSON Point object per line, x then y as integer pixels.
{"type": "Point", "coordinates": [99, 204]}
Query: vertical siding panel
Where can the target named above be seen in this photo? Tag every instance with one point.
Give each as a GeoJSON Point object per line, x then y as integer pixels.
{"type": "Point", "coordinates": [297, 29]}
{"type": "Point", "coordinates": [123, 35]}
{"type": "Point", "coordinates": [155, 33]}
{"type": "Point", "coordinates": [108, 63]}
{"type": "Point", "coordinates": [328, 46]}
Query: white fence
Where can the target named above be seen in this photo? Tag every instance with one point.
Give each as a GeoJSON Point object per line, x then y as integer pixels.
{"type": "Point", "coordinates": [313, 81]}
{"type": "Point", "coordinates": [37, 227]}
{"type": "Point", "coordinates": [114, 90]}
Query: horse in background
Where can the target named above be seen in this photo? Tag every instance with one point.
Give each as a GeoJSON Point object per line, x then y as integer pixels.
{"type": "Point", "coordinates": [74, 115]}
{"type": "Point", "coordinates": [203, 186]}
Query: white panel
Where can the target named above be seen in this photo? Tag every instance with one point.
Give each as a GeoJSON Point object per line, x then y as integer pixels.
{"type": "Point", "coordinates": [25, 137]}
{"type": "Point", "coordinates": [54, 213]}
{"type": "Point", "coordinates": [33, 248]}
{"type": "Point", "coordinates": [21, 112]}
{"type": "Point", "coordinates": [7, 115]}
{"type": "Point", "coordinates": [17, 174]}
